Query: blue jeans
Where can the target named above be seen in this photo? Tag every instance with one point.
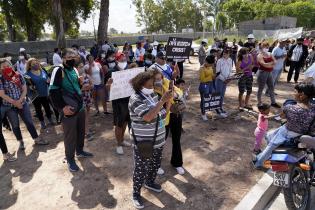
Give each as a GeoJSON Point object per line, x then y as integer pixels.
{"type": "Point", "coordinates": [13, 116]}
{"type": "Point", "coordinates": [274, 139]}
{"type": "Point", "coordinates": [204, 89]}
{"type": "Point", "coordinates": [220, 88]}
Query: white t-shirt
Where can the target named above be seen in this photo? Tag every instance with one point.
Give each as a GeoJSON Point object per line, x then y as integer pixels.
{"type": "Point", "coordinates": [57, 59]}
{"type": "Point", "coordinates": [96, 73]}
{"type": "Point", "coordinates": [21, 67]}
{"type": "Point", "coordinates": [224, 67]}
{"type": "Point", "coordinates": [277, 52]}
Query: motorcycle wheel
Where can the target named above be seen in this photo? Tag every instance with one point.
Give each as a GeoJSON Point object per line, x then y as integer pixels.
{"type": "Point", "coordinates": [298, 195]}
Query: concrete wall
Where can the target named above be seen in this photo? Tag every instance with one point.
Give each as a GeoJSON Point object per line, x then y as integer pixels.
{"type": "Point", "coordinates": [40, 48]}
{"type": "Point", "coordinates": [273, 23]}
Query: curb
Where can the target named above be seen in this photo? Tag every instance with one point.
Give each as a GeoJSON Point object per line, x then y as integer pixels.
{"type": "Point", "coordinates": [260, 195]}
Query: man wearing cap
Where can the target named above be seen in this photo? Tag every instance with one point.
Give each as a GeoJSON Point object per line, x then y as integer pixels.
{"type": "Point", "coordinates": [279, 53]}
{"type": "Point", "coordinates": [250, 44]}
{"type": "Point", "coordinates": [202, 51]}
{"type": "Point", "coordinates": [162, 66]}
{"type": "Point", "coordinates": [120, 105]}
{"type": "Point", "coordinates": [297, 56]}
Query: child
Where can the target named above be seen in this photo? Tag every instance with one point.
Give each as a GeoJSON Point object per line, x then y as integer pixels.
{"type": "Point", "coordinates": [262, 126]}
{"type": "Point", "coordinates": [300, 121]}
{"type": "Point", "coordinates": [87, 87]}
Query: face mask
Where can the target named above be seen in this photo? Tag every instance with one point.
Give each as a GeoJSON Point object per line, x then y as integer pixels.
{"type": "Point", "coordinates": [147, 91]}
{"type": "Point", "coordinates": [35, 67]}
{"type": "Point", "coordinates": [148, 62]}
{"type": "Point", "coordinates": [70, 63]}
{"type": "Point", "coordinates": [111, 65]}
{"type": "Point", "coordinates": [265, 50]}
{"type": "Point", "coordinates": [299, 43]}
{"type": "Point", "coordinates": [103, 55]}
{"type": "Point", "coordinates": [21, 57]}
{"type": "Point", "coordinates": [158, 83]}
{"type": "Point", "coordinates": [122, 65]}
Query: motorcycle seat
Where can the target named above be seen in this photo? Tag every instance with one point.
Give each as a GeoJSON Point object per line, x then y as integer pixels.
{"type": "Point", "coordinates": [308, 140]}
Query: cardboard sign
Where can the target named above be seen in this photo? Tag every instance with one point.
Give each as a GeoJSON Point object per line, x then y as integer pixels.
{"type": "Point", "coordinates": [178, 48]}
{"type": "Point", "coordinates": [121, 86]}
{"type": "Point", "coordinates": [212, 102]}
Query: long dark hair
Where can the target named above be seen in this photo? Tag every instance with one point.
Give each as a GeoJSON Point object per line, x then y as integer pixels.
{"type": "Point", "coordinates": [242, 52]}
{"type": "Point", "coordinates": [307, 89]}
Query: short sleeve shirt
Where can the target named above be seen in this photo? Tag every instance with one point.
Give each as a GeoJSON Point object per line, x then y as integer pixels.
{"type": "Point", "coordinates": [11, 89]}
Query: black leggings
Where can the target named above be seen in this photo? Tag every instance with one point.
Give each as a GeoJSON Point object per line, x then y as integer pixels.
{"type": "Point", "coordinates": [40, 102]}
{"type": "Point", "coordinates": [3, 145]}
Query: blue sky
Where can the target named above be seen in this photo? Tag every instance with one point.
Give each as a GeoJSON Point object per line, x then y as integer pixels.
{"type": "Point", "coordinates": [121, 17]}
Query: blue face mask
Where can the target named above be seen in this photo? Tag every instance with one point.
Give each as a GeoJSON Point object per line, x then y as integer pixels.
{"type": "Point", "coordinates": [148, 62]}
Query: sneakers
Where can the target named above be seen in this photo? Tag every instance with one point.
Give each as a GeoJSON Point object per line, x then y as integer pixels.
{"type": "Point", "coordinates": [137, 201]}
{"type": "Point", "coordinates": [126, 144]}
{"type": "Point", "coordinates": [9, 157]}
{"type": "Point", "coordinates": [154, 187]}
{"type": "Point", "coordinates": [204, 117]}
{"type": "Point", "coordinates": [180, 170]}
{"type": "Point", "coordinates": [119, 150]}
{"type": "Point", "coordinates": [223, 115]}
{"type": "Point", "coordinates": [275, 105]}
{"type": "Point", "coordinates": [73, 167]}
{"type": "Point", "coordinates": [40, 141]}
{"type": "Point", "coordinates": [160, 171]}
{"type": "Point", "coordinates": [21, 146]}
{"type": "Point", "coordinates": [84, 154]}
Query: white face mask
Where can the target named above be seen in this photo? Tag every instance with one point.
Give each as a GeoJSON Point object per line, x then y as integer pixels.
{"type": "Point", "coordinates": [112, 65]}
{"type": "Point", "coordinates": [21, 57]}
{"type": "Point", "coordinates": [122, 65]}
{"type": "Point", "coordinates": [147, 91]}
{"type": "Point", "coordinates": [265, 50]}
{"type": "Point", "coordinates": [103, 55]}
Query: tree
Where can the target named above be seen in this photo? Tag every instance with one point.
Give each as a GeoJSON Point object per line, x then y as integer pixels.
{"type": "Point", "coordinates": [3, 32]}
{"type": "Point", "coordinates": [58, 23]}
{"type": "Point", "coordinates": [103, 21]}
{"type": "Point", "coordinates": [221, 21]}
{"type": "Point", "coordinates": [113, 31]}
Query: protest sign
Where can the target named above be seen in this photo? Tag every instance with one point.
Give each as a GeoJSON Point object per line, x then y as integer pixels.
{"type": "Point", "coordinates": [121, 86]}
{"type": "Point", "coordinates": [178, 48]}
{"type": "Point", "coordinates": [212, 102]}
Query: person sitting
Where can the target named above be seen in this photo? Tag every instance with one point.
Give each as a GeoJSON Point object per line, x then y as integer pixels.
{"type": "Point", "coordinates": [299, 118]}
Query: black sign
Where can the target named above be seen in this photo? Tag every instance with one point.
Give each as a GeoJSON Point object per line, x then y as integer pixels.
{"type": "Point", "coordinates": [178, 48]}
{"type": "Point", "coordinates": [212, 102]}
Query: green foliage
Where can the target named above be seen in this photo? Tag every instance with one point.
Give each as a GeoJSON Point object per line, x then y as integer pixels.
{"type": "Point", "coordinates": [221, 21]}
{"type": "Point", "coordinates": [168, 15]}
{"type": "Point", "coordinates": [242, 10]}
{"type": "Point", "coordinates": [3, 30]}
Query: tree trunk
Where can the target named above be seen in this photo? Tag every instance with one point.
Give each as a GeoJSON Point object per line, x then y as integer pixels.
{"type": "Point", "coordinates": [103, 22]}
{"type": "Point", "coordinates": [58, 21]}
{"type": "Point", "coordinates": [9, 21]}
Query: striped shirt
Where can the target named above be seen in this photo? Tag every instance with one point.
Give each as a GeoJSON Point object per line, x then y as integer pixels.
{"type": "Point", "coordinates": [138, 107]}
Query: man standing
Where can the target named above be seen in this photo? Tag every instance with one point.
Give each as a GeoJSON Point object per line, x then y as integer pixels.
{"type": "Point", "coordinates": [163, 67]}
{"type": "Point", "coordinates": [202, 51]}
{"type": "Point", "coordinates": [279, 53]}
{"type": "Point", "coordinates": [250, 44]}
{"type": "Point", "coordinates": [297, 56]}
{"type": "Point", "coordinates": [66, 80]}
{"type": "Point", "coordinates": [56, 57]}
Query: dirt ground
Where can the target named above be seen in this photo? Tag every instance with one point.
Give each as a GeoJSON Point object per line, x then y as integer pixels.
{"type": "Point", "coordinates": [216, 158]}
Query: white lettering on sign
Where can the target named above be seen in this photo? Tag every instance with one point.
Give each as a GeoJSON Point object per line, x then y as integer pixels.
{"type": "Point", "coordinates": [121, 86]}
{"type": "Point", "coordinates": [176, 49]}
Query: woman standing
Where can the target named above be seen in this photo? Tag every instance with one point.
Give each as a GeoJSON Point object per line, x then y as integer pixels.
{"type": "Point", "coordinates": [40, 80]}
{"type": "Point", "coordinates": [97, 77]}
{"type": "Point", "coordinates": [244, 66]}
{"type": "Point", "coordinates": [173, 120]}
{"type": "Point", "coordinates": [206, 76]}
{"type": "Point", "coordinates": [264, 77]}
{"type": "Point", "coordinates": [147, 122]}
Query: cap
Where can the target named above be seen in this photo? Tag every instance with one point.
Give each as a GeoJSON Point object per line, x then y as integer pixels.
{"type": "Point", "coordinates": [119, 56]}
{"type": "Point", "coordinates": [155, 43]}
{"type": "Point", "coordinates": [161, 54]}
{"type": "Point", "coordinates": [250, 36]}
{"type": "Point", "coordinates": [22, 49]}
{"type": "Point", "coordinates": [205, 41]}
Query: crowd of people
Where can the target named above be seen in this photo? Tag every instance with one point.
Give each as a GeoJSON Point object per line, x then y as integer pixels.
{"type": "Point", "coordinates": [81, 79]}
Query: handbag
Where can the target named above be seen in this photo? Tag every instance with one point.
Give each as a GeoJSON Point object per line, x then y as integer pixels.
{"type": "Point", "coordinates": [72, 99]}
{"type": "Point", "coordinates": [145, 147]}
{"type": "Point", "coordinates": [178, 107]}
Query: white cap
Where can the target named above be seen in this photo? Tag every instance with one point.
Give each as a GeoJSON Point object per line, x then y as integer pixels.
{"type": "Point", "coordinates": [22, 49]}
{"type": "Point", "coordinates": [205, 41]}
{"type": "Point", "coordinates": [250, 36]}
{"type": "Point", "coordinates": [155, 43]}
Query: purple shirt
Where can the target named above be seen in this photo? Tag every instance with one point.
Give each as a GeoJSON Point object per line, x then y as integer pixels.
{"type": "Point", "coordinates": [299, 119]}
{"type": "Point", "coordinates": [246, 67]}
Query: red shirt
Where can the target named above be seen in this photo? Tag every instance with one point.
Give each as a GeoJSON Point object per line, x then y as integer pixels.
{"type": "Point", "coordinates": [266, 60]}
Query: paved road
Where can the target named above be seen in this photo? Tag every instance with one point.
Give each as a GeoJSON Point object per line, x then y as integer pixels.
{"type": "Point", "coordinates": [279, 203]}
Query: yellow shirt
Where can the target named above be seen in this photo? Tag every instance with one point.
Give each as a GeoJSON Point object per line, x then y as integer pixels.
{"type": "Point", "coordinates": [165, 86]}
{"type": "Point", "coordinates": [206, 74]}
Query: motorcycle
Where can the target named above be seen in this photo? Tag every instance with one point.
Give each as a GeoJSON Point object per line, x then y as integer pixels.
{"type": "Point", "coordinates": [293, 167]}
